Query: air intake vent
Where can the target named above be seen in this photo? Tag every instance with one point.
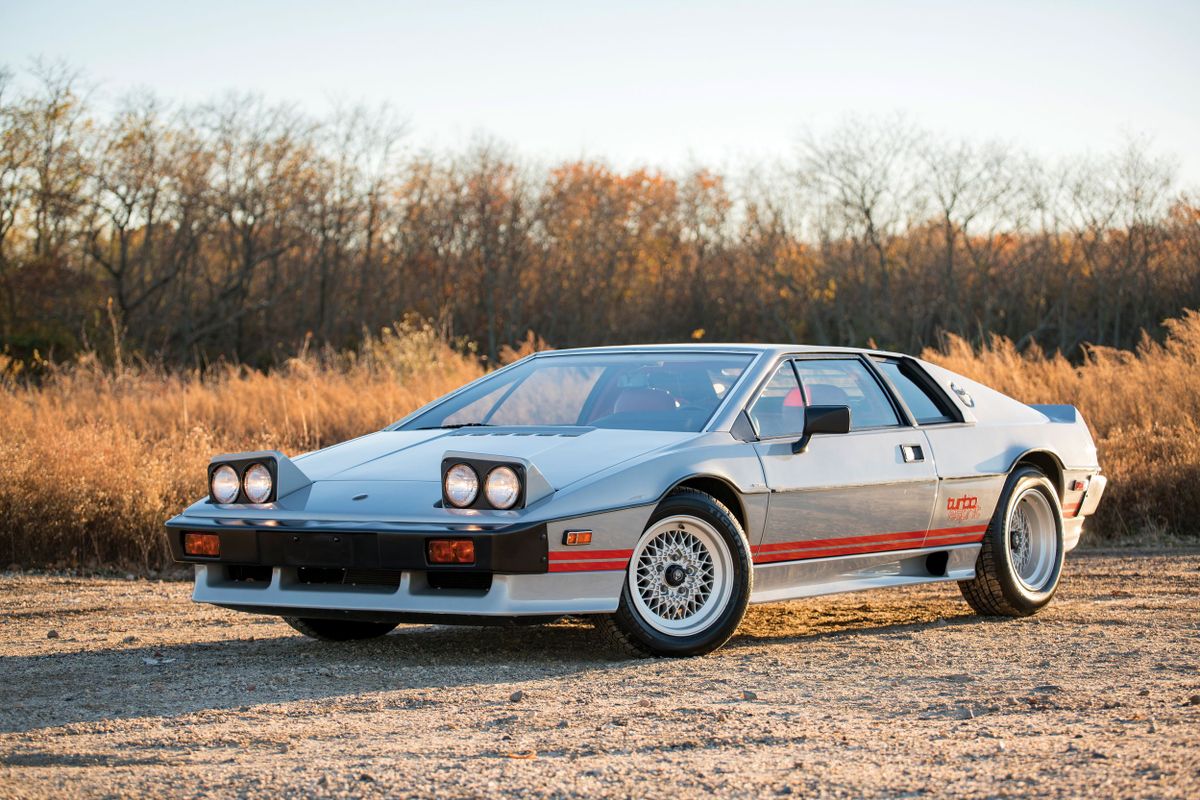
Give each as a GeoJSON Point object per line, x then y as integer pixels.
{"type": "Point", "coordinates": [523, 431]}
{"type": "Point", "coordinates": [350, 577]}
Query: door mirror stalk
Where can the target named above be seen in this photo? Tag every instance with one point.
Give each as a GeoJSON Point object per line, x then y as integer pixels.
{"type": "Point", "coordinates": [822, 419]}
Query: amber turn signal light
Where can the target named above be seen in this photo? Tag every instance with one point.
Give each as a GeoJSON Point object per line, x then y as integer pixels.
{"type": "Point", "coordinates": [451, 551]}
{"type": "Point", "coordinates": [202, 544]}
{"type": "Point", "coordinates": [577, 537]}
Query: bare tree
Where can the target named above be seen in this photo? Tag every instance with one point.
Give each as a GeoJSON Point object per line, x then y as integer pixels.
{"type": "Point", "coordinates": [240, 228]}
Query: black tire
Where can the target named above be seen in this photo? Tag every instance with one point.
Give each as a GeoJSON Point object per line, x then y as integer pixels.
{"type": "Point", "coordinates": [339, 630]}
{"type": "Point", "coordinates": [997, 589]}
{"type": "Point", "coordinates": [629, 633]}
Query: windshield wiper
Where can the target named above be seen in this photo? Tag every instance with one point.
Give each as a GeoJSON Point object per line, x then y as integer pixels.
{"type": "Point", "coordinates": [458, 425]}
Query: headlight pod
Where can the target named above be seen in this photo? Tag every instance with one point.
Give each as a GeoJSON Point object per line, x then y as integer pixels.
{"type": "Point", "coordinates": [502, 488]}
{"type": "Point", "coordinates": [461, 485]}
{"type": "Point", "coordinates": [482, 483]}
{"type": "Point", "coordinates": [224, 484]}
{"type": "Point", "coordinates": [257, 483]}
{"type": "Point", "coordinates": [252, 478]}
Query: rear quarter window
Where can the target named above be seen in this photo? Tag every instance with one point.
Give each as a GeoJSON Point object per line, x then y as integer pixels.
{"type": "Point", "coordinates": [925, 402]}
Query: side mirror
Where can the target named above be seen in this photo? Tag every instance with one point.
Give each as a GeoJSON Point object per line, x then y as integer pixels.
{"type": "Point", "coordinates": [822, 419]}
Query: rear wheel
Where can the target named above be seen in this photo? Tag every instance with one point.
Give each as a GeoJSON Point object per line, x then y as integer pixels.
{"type": "Point", "coordinates": [1020, 563]}
{"type": "Point", "coordinates": [339, 630]}
{"type": "Point", "coordinates": [688, 581]}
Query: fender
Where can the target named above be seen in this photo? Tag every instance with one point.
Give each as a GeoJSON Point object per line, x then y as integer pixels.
{"type": "Point", "coordinates": [1047, 461]}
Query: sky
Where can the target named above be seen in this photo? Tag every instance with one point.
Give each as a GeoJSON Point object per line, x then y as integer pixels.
{"type": "Point", "coordinates": [661, 83]}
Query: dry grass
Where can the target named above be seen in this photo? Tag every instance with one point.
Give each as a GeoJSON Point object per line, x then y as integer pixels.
{"type": "Point", "coordinates": [95, 459]}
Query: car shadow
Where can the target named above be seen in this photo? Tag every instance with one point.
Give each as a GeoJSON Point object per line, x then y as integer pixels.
{"type": "Point", "coordinates": [174, 679]}
{"type": "Point", "coordinates": [850, 629]}
{"type": "Point", "coordinates": [410, 664]}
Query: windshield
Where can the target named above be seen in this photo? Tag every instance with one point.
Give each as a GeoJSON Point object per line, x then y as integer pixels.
{"type": "Point", "coordinates": [634, 391]}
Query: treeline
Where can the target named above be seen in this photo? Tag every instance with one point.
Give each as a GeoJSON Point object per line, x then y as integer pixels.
{"type": "Point", "coordinates": [238, 228]}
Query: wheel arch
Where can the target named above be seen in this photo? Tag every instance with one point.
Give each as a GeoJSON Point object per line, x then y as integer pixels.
{"type": "Point", "coordinates": [719, 488]}
{"type": "Point", "coordinates": [1050, 465]}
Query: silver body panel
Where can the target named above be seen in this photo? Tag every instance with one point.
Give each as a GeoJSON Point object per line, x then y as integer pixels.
{"type": "Point", "coordinates": [851, 485]}
{"type": "Point", "coordinates": [853, 573]}
{"type": "Point", "coordinates": [850, 513]}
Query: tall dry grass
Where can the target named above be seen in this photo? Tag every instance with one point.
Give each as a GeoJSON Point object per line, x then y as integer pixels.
{"type": "Point", "coordinates": [96, 458]}
{"type": "Point", "coordinates": [1142, 406]}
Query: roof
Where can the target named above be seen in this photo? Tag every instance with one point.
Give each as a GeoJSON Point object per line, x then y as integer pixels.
{"type": "Point", "coordinates": [716, 347]}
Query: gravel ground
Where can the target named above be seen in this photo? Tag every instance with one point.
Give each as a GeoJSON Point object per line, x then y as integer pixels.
{"type": "Point", "coordinates": [124, 688]}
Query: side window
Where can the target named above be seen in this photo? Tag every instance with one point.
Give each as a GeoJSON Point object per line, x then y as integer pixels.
{"type": "Point", "coordinates": [847, 382]}
{"type": "Point", "coordinates": [925, 405]}
{"type": "Point", "coordinates": [779, 410]}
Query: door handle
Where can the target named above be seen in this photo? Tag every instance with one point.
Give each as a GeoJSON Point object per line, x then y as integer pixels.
{"type": "Point", "coordinates": [912, 453]}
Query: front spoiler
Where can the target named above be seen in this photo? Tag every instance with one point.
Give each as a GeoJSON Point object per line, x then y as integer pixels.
{"type": "Point", "coordinates": [414, 597]}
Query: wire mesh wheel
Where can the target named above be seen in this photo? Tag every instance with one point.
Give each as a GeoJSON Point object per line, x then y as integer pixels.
{"type": "Point", "coordinates": [680, 575]}
{"type": "Point", "coordinates": [1032, 539]}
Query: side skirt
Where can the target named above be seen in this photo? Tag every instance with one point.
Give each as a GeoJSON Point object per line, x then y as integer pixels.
{"type": "Point", "coordinates": [787, 580]}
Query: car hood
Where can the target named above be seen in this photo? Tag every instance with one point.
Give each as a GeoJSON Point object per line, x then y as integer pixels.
{"type": "Point", "coordinates": [562, 455]}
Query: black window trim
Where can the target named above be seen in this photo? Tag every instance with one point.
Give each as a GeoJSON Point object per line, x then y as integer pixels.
{"type": "Point", "coordinates": [762, 387]}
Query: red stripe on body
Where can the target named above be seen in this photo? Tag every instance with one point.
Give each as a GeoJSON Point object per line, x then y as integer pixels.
{"type": "Point", "coordinates": [854, 545]}
{"type": "Point", "coordinates": [606, 560]}
{"type": "Point", "coordinates": [584, 555]}
{"type": "Point", "coordinates": [818, 543]}
{"type": "Point", "coordinates": [587, 566]}
{"type": "Point", "coordinates": [813, 548]}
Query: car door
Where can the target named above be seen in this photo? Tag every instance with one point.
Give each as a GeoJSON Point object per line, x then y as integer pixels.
{"type": "Point", "coordinates": [866, 491]}
{"type": "Point", "coordinates": [968, 495]}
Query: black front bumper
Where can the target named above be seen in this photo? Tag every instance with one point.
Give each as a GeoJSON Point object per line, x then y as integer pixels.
{"type": "Point", "coordinates": [519, 551]}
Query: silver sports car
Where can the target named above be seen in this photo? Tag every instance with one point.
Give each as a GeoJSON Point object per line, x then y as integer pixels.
{"type": "Point", "coordinates": [657, 491]}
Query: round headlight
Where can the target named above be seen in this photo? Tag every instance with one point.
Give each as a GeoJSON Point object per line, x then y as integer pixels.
{"type": "Point", "coordinates": [503, 487]}
{"type": "Point", "coordinates": [257, 483]}
{"type": "Point", "coordinates": [461, 485]}
{"type": "Point", "coordinates": [224, 484]}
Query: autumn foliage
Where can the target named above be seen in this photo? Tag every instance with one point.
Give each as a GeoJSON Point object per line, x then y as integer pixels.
{"type": "Point", "coordinates": [236, 230]}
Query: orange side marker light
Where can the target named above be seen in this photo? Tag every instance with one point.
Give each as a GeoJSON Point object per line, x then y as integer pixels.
{"type": "Point", "coordinates": [577, 537]}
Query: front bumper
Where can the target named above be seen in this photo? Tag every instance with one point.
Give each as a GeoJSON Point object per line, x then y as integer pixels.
{"type": "Point", "coordinates": [386, 575]}
{"type": "Point", "coordinates": [522, 550]}
{"type": "Point", "coordinates": [380, 571]}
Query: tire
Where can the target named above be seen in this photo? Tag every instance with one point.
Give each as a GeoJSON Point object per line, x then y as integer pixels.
{"type": "Point", "coordinates": [694, 539]}
{"type": "Point", "coordinates": [339, 630]}
{"type": "Point", "coordinates": [1028, 520]}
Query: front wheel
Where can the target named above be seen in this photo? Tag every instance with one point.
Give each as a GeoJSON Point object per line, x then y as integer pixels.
{"type": "Point", "coordinates": [339, 630]}
{"type": "Point", "coordinates": [1021, 560]}
{"type": "Point", "coordinates": [688, 581]}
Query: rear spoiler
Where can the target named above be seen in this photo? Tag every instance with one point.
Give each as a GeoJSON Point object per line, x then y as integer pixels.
{"type": "Point", "coordinates": [1058, 413]}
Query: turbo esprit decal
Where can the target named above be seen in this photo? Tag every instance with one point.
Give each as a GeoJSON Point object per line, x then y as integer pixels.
{"type": "Point", "coordinates": [962, 508]}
